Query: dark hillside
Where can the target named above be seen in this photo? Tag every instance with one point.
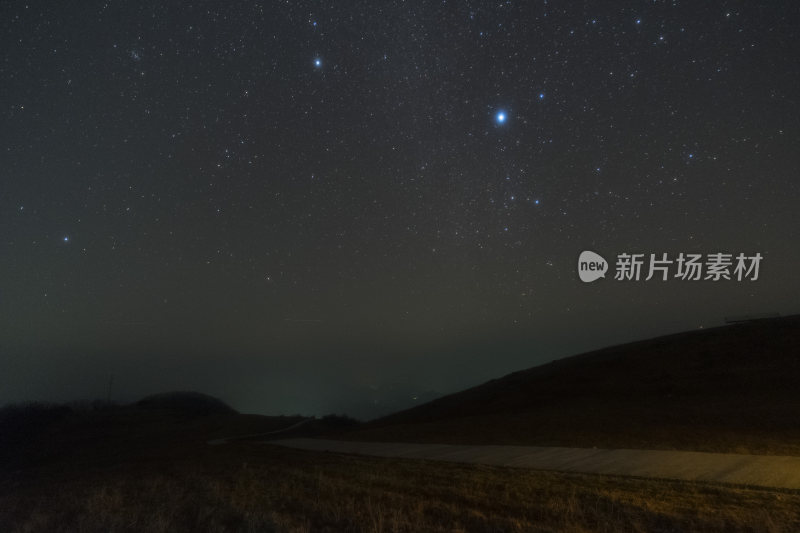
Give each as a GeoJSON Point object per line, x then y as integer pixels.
{"type": "Point", "coordinates": [733, 388]}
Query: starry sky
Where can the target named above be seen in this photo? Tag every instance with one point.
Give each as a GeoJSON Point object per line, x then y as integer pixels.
{"type": "Point", "coordinates": [306, 206]}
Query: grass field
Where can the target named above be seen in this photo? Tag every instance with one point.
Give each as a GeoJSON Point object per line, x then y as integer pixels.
{"type": "Point", "coordinates": [169, 479]}
{"type": "Point", "coordinates": [149, 467]}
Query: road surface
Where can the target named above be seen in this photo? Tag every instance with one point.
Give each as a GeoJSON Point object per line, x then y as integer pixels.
{"type": "Point", "coordinates": [217, 442]}
{"type": "Point", "coordinates": [759, 470]}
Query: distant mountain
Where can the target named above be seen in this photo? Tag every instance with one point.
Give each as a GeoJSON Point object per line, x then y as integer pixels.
{"type": "Point", "coordinates": [186, 402]}
{"type": "Point", "coordinates": [733, 388]}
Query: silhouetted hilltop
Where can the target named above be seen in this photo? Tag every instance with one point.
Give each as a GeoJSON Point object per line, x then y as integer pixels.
{"type": "Point", "coordinates": [186, 402]}
{"type": "Point", "coordinates": [39, 433]}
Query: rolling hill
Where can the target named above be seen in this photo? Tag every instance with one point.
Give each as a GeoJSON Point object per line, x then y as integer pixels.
{"type": "Point", "coordinates": [734, 388]}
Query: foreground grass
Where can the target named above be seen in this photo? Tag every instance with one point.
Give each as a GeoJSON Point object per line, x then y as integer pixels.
{"type": "Point", "coordinates": [159, 485]}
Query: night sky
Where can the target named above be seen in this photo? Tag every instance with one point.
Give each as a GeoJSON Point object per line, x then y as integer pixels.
{"type": "Point", "coordinates": [308, 206]}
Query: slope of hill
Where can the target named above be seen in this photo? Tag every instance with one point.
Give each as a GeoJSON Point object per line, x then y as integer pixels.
{"type": "Point", "coordinates": [36, 434]}
{"type": "Point", "coordinates": [734, 388]}
{"type": "Point", "coordinates": [188, 402]}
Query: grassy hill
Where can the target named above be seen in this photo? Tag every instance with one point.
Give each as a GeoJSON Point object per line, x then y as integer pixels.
{"type": "Point", "coordinates": [38, 434]}
{"type": "Point", "coordinates": [734, 388]}
{"type": "Point", "coordinates": [188, 402]}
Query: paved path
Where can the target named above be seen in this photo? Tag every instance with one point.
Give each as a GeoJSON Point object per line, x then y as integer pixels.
{"type": "Point", "coordinates": [217, 442]}
{"type": "Point", "coordinates": [760, 470]}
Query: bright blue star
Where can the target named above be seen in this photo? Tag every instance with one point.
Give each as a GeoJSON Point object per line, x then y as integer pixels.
{"type": "Point", "coordinates": [638, 21]}
{"type": "Point", "coordinates": [536, 201]}
{"type": "Point", "coordinates": [541, 96]}
{"type": "Point", "coordinates": [66, 238]}
{"type": "Point", "coordinates": [500, 117]}
{"type": "Point", "coordinates": [317, 62]}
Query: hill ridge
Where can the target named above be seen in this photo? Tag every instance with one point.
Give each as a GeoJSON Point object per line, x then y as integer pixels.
{"type": "Point", "coordinates": [729, 388]}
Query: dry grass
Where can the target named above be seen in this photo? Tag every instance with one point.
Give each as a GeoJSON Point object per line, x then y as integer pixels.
{"type": "Point", "coordinates": [249, 486]}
